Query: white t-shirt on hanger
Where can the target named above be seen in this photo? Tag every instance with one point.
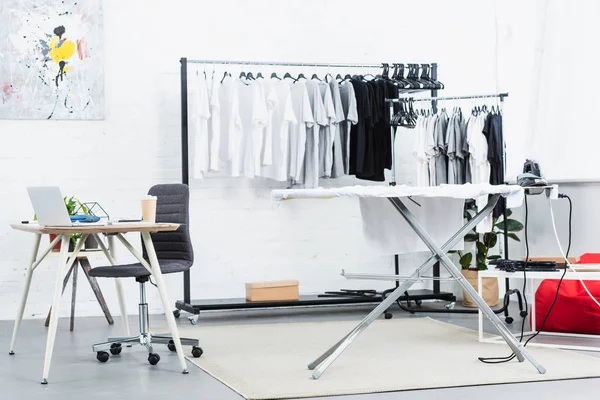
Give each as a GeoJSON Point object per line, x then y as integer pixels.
{"type": "Point", "coordinates": [231, 125]}
{"type": "Point", "coordinates": [265, 152]}
{"type": "Point", "coordinates": [201, 115]}
{"type": "Point", "coordinates": [406, 164]}
{"type": "Point", "coordinates": [215, 124]}
{"type": "Point", "coordinates": [304, 115]}
{"type": "Point", "coordinates": [282, 120]}
{"type": "Point", "coordinates": [421, 153]}
{"type": "Point", "coordinates": [480, 166]}
{"type": "Point", "coordinates": [253, 113]}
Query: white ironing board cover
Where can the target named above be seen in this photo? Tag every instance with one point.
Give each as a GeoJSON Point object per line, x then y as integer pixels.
{"type": "Point", "coordinates": [514, 194]}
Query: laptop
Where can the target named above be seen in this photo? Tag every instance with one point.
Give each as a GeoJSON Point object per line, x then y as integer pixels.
{"type": "Point", "coordinates": [49, 206]}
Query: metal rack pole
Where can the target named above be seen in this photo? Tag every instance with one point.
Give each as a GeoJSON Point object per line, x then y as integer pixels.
{"type": "Point", "coordinates": [185, 171]}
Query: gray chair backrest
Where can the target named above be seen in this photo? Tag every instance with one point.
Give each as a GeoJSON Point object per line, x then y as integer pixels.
{"type": "Point", "coordinates": [173, 205]}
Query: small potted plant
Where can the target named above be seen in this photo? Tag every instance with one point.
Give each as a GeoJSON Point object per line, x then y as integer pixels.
{"type": "Point", "coordinates": [72, 205]}
{"type": "Point", "coordinates": [484, 243]}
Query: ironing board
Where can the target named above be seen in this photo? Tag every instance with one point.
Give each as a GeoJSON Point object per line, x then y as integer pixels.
{"type": "Point", "coordinates": [397, 195]}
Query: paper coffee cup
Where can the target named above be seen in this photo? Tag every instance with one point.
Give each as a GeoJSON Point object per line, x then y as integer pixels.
{"type": "Point", "coordinates": [149, 209]}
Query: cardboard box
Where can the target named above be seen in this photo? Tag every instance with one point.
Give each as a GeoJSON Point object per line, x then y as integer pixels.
{"type": "Point", "coordinates": [273, 291]}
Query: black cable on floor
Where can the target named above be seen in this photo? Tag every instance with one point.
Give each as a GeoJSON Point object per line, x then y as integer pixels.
{"type": "Point", "coordinates": [498, 360]}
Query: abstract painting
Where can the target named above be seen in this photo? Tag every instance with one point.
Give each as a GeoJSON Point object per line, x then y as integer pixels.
{"type": "Point", "coordinates": [51, 59]}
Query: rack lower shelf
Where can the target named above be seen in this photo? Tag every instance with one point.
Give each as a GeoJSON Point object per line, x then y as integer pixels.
{"type": "Point", "coordinates": [196, 306]}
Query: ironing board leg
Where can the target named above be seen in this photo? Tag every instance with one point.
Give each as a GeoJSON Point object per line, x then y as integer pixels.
{"type": "Point", "coordinates": [326, 359]}
{"type": "Point", "coordinates": [520, 351]}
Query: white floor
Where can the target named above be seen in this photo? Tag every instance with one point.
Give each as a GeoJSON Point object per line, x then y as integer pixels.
{"type": "Point", "coordinates": [76, 372]}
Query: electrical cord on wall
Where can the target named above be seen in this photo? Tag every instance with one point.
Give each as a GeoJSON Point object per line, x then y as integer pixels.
{"type": "Point", "coordinates": [567, 263]}
{"type": "Point", "coordinates": [498, 360]}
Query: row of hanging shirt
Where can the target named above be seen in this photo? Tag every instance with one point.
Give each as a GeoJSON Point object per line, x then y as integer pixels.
{"type": "Point", "coordinates": [272, 128]}
{"type": "Point", "coordinates": [449, 147]}
{"type": "Point", "coordinates": [296, 130]}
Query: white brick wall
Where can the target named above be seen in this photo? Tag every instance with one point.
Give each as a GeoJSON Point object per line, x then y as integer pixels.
{"type": "Point", "coordinates": [238, 235]}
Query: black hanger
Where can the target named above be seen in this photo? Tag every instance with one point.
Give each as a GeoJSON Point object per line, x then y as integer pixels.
{"type": "Point", "coordinates": [300, 76]}
{"type": "Point", "coordinates": [259, 75]}
{"type": "Point", "coordinates": [339, 77]}
{"type": "Point", "coordinates": [249, 76]}
{"type": "Point", "coordinates": [274, 75]}
{"type": "Point", "coordinates": [225, 76]}
{"type": "Point", "coordinates": [400, 77]}
{"type": "Point", "coordinates": [386, 70]}
{"type": "Point", "coordinates": [287, 75]}
{"type": "Point", "coordinates": [242, 74]}
{"type": "Point", "coordinates": [314, 76]}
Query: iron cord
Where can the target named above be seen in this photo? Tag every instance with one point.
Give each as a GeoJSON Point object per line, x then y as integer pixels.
{"type": "Point", "coordinates": [498, 360]}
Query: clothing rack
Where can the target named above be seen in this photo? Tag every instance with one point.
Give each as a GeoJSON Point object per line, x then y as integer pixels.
{"type": "Point", "coordinates": [329, 298]}
{"type": "Point", "coordinates": [436, 271]}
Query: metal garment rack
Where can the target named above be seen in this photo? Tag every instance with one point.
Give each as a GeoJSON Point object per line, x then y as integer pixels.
{"type": "Point", "coordinates": [351, 297]}
{"type": "Point", "coordinates": [436, 270]}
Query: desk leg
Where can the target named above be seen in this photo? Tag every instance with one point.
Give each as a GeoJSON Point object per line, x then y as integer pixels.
{"type": "Point", "coordinates": [160, 283]}
{"type": "Point", "coordinates": [118, 285]}
{"type": "Point", "coordinates": [479, 313]}
{"type": "Point", "coordinates": [28, 275]}
{"type": "Point", "coordinates": [64, 248]}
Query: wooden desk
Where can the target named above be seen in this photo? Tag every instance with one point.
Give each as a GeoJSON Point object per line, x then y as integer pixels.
{"type": "Point", "coordinates": [68, 258]}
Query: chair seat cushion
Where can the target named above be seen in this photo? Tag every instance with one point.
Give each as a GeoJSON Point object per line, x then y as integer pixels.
{"type": "Point", "coordinates": [137, 270]}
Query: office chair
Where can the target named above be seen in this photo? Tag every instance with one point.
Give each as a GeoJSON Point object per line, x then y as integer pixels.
{"type": "Point", "coordinates": [175, 254]}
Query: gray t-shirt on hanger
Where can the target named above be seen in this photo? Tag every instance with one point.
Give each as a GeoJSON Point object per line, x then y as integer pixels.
{"type": "Point", "coordinates": [337, 169]}
{"type": "Point", "coordinates": [441, 159]}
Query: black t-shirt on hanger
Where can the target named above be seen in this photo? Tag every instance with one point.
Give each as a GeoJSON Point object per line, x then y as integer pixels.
{"type": "Point", "coordinates": [358, 132]}
{"type": "Point", "coordinates": [494, 135]}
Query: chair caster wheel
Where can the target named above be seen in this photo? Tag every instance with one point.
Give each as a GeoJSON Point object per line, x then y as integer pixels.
{"type": "Point", "coordinates": [450, 306]}
{"type": "Point", "coordinates": [177, 313]}
{"type": "Point", "coordinates": [12, 353]}
{"type": "Point", "coordinates": [197, 351]}
{"type": "Point", "coordinates": [171, 346]}
{"type": "Point", "coordinates": [194, 319]}
{"type": "Point", "coordinates": [388, 315]}
{"type": "Point", "coordinates": [153, 358]}
{"type": "Point", "coordinates": [115, 349]}
{"type": "Point", "coordinates": [102, 356]}
{"type": "Point", "coordinates": [418, 302]}
{"type": "Point", "coordinates": [509, 320]}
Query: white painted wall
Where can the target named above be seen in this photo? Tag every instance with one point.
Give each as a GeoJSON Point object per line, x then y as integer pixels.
{"type": "Point", "coordinates": [238, 236]}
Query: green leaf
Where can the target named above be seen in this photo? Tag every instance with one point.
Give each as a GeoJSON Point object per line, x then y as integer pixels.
{"type": "Point", "coordinates": [508, 212]}
{"type": "Point", "coordinates": [514, 236]}
{"type": "Point", "coordinates": [480, 258]}
{"type": "Point", "coordinates": [465, 261]}
{"type": "Point", "coordinates": [471, 237]}
{"type": "Point", "coordinates": [481, 248]}
{"type": "Point", "coordinates": [482, 267]}
{"type": "Point", "coordinates": [512, 224]}
{"type": "Point", "coordinates": [494, 257]}
{"type": "Point", "coordinates": [490, 239]}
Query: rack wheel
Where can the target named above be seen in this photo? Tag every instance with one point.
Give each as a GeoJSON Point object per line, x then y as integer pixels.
{"type": "Point", "coordinates": [388, 315]}
{"type": "Point", "coordinates": [115, 349]}
{"type": "Point", "coordinates": [197, 351]}
{"type": "Point", "coordinates": [418, 302]}
{"type": "Point", "coordinates": [102, 356]}
{"type": "Point", "coordinates": [509, 320]}
{"type": "Point", "coordinates": [171, 346]}
{"type": "Point", "coordinates": [153, 358]}
{"type": "Point", "coordinates": [194, 319]}
{"type": "Point", "coordinates": [177, 313]}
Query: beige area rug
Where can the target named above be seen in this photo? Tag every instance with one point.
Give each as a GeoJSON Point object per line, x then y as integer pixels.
{"type": "Point", "coordinates": [269, 361]}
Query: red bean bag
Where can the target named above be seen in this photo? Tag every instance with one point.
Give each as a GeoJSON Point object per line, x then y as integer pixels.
{"type": "Point", "coordinates": [574, 311]}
